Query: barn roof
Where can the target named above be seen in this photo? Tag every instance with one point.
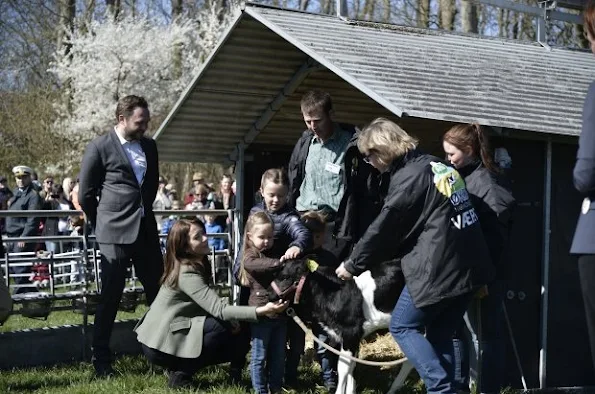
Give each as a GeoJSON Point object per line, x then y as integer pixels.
{"type": "Point", "coordinates": [249, 88]}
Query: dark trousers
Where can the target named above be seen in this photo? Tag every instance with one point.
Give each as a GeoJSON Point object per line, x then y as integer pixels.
{"type": "Point", "coordinates": [219, 345]}
{"type": "Point", "coordinates": [483, 328]}
{"type": "Point", "coordinates": [13, 247]}
{"type": "Point", "coordinates": [296, 339]}
{"type": "Point", "coordinates": [244, 337]}
{"type": "Point", "coordinates": [586, 269]}
{"type": "Point", "coordinates": [146, 256]}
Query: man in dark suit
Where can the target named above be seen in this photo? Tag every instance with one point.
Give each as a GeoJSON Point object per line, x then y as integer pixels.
{"type": "Point", "coordinates": [118, 183]}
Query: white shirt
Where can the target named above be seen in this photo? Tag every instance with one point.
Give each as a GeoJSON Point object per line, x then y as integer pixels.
{"type": "Point", "coordinates": [136, 157]}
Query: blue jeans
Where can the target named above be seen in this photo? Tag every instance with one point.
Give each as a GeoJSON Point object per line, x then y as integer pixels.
{"type": "Point", "coordinates": [327, 359]}
{"type": "Point", "coordinates": [432, 354]}
{"type": "Point", "coordinates": [297, 342]}
{"type": "Point", "coordinates": [488, 314]}
{"type": "Point", "coordinates": [268, 354]}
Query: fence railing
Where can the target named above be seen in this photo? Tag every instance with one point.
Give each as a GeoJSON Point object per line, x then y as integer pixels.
{"type": "Point", "coordinates": [80, 268]}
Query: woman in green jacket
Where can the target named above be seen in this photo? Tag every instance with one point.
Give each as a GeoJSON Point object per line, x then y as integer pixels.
{"type": "Point", "coordinates": [188, 325]}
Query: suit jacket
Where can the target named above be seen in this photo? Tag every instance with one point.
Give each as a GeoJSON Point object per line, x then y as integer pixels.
{"type": "Point", "coordinates": [110, 194]}
{"type": "Point", "coordinates": [174, 324]}
{"type": "Point", "coordinates": [584, 179]}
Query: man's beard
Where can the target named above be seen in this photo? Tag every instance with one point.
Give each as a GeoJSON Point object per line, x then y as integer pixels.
{"type": "Point", "coordinates": [133, 135]}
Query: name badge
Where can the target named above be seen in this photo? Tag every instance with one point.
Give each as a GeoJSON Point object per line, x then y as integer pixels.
{"type": "Point", "coordinates": [586, 205]}
{"type": "Point", "coordinates": [332, 168]}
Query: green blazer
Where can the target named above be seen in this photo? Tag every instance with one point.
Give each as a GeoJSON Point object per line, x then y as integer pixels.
{"type": "Point", "coordinates": [174, 323]}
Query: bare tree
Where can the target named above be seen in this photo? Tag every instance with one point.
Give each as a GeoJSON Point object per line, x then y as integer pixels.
{"type": "Point", "coordinates": [114, 7]}
{"type": "Point", "coordinates": [469, 21]}
{"type": "Point", "coordinates": [447, 12]}
{"type": "Point", "coordinates": [423, 13]}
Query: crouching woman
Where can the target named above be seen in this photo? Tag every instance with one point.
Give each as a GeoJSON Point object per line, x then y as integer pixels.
{"type": "Point", "coordinates": [427, 222]}
{"type": "Point", "coordinates": [188, 326]}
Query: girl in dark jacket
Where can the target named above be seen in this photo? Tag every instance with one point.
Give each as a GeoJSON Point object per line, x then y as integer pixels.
{"type": "Point", "coordinates": [467, 149]}
{"type": "Point", "coordinates": [292, 239]}
{"type": "Point", "coordinates": [427, 222]}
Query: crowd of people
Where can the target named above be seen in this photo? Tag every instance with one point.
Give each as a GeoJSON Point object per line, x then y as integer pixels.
{"type": "Point", "coordinates": [349, 199]}
{"type": "Point", "coordinates": [29, 193]}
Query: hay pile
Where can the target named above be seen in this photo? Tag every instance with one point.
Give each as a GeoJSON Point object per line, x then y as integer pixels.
{"type": "Point", "coordinates": [376, 347]}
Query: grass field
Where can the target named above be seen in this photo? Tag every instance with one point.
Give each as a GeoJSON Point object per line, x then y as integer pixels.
{"type": "Point", "coordinates": [136, 376]}
{"type": "Point", "coordinates": [60, 318]}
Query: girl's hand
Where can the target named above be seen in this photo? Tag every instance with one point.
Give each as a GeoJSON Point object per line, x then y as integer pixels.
{"type": "Point", "coordinates": [342, 273]}
{"type": "Point", "coordinates": [272, 309]}
{"type": "Point", "coordinates": [291, 253]}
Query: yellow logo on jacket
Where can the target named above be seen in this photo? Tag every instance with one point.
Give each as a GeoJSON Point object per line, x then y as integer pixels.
{"type": "Point", "coordinates": [447, 179]}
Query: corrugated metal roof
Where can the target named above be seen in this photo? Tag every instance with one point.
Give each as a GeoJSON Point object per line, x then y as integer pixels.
{"type": "Point", "coordinates": [259, 71]}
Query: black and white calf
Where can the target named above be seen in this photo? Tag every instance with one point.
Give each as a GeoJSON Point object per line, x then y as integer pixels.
{"type": "Point", "coordinates": [347, 310]}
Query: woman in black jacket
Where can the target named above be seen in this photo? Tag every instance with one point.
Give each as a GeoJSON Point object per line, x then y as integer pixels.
{"type": "Point", "coordinates": [467, 149]}
{"type": "Point", "coordinates": [428, 222]}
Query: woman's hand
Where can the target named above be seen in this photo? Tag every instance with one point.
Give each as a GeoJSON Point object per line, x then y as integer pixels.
{"type": "Point", "coordinates": [272, 309]}
{"type": "Point", "coordinates": [342, 273]}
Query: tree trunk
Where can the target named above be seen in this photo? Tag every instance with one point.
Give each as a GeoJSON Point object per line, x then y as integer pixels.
{"type": "Point", "coordinates": [447, 14]}
{"type": "Point", "coordinates": [469, 20]}
{"type": "Point", "coordinates": [176, 12]}
{"type": "Point", "coordinates": [67, 9]}
{"type": "Point", "coordinates": [387, 10]}
{"type": "Point", "coordinates": [114, 8]}
{"type": "Point", "coordinates": [304, 5]}
{"type": "Point", "coordinates": [423, 13]}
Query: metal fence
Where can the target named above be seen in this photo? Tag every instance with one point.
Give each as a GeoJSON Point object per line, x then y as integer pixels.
{"type": "Point", "coordinates": [74, 273]}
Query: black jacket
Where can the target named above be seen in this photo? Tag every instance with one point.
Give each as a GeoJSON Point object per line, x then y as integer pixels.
{"type": "Point", "coordinates": [289, 230]}
{"type": "Point", "coordinates": [363, 195]}
{"type": "Point", "coordinates": [494, 205]}
{"type": "Point", "coordinates": [26, 200]}
{"type": "Point", "coordinates": [428, 222]}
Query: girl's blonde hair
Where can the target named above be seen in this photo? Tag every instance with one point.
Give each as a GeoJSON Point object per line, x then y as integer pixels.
{"type": "Point", "coordinates": [386, 139]}
{"type": "Point", "coordinates": [255, 219]}
{"type": "Point", "coordinates": [275, 175]}
{"type": "Point", "coordinates": [178, 251]}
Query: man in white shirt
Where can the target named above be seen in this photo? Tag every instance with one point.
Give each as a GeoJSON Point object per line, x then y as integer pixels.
{"type": "Point", "coordinates": [118, 184]}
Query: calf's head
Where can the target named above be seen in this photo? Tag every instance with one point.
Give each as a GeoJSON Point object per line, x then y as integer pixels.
{"type": "Point", "coordinates": [289, 281]}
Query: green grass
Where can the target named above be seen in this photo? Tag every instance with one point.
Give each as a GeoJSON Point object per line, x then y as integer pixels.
{"type": "Point", "coordinates": [60, 318]}
{"type": "Point", "coordinates": [135, 375]}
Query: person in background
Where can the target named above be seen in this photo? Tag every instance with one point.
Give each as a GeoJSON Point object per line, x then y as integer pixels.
{"type": "Point", "coordinates": [67, 186]}
{"type": "Point", "coordinates": [467, 148]}
{"type": "Point", "coordinates": [213, 228]}
{"type": "Point", "coordinates": [5, 195]}
{"type": "Point", "coordinates": [24, 198]}
{"type": "Point", "coordinates": [5, 298]}
{"type": "Point", "coordinates": [56, 225]}
{"type": "Point", "coordinates": [429, 224]}
{"type": "Point", "coordinates": [227, 198]}
{"type": "Point", "coordinates": [188, 326]}
{"type": "Point", "coordinates": [46, 191]}
{"type": "Point", "coordinates": [162, 201]}
{"type": "Point", "coordinates": [584, 181]}
{"type": "Point", "coordinates": [198, 179]}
